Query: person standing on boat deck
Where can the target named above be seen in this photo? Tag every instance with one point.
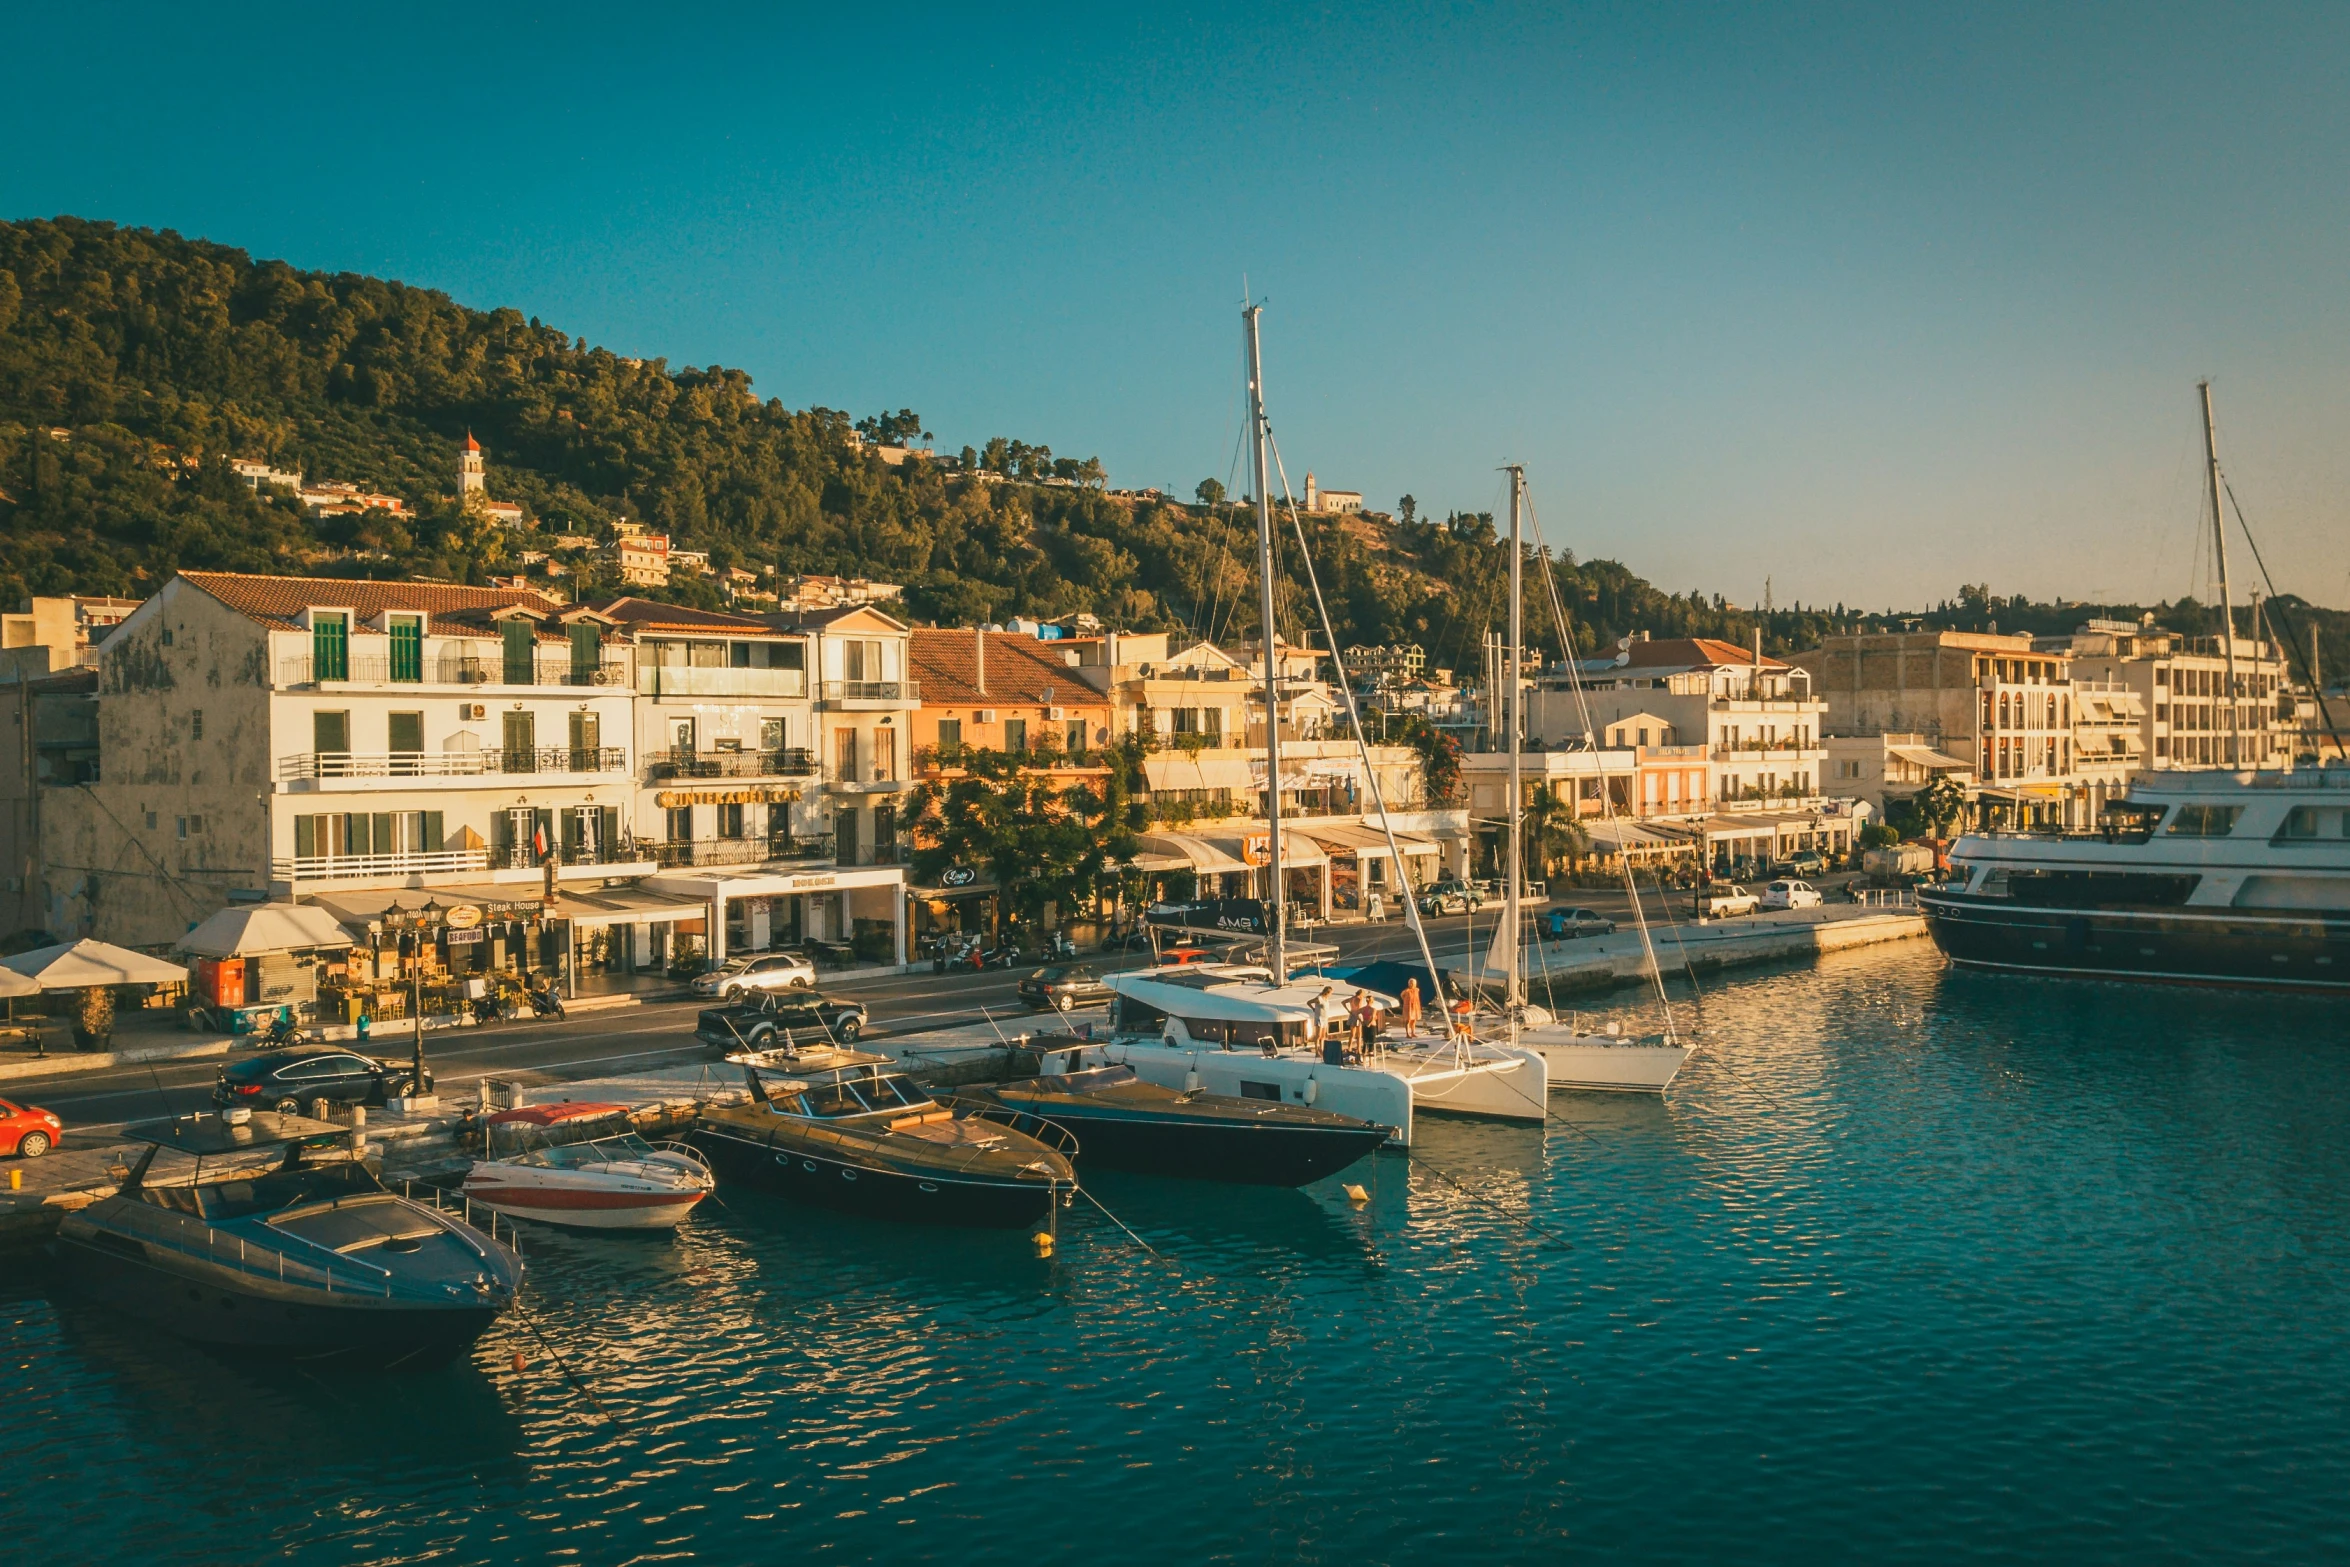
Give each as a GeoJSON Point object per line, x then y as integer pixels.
{"type": "Point", "coordinates": [1318, 1024]}
{"type": "Point", "coordinates": [1411, 1008]}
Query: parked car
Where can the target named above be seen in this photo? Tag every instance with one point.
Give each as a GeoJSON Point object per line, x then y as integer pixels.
{"type": "Point", "coordinates": [1791, 895]}
{"type": "Point", "coordinates": [1567, 924]}
{"type": "Point", "coordinates": [28, 1131]}
{"type": "Point", "coordinates": [289, 1080]}
{"type": "Point", "coordinates": [1451, 895]}
{"type": "Point", "coordinates": [769, 1020]}
{"type": "Point", "coordinates": [1721, 900]}
{"type": "Point", "coordinates": [1806, 864]}
{"type": "Point", "coordinates": [1063, 987]}
{"type": "Point", "coordinates": [760, 971]}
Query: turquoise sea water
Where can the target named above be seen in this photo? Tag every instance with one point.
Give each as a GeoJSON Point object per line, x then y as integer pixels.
{"type": "Point", "coordinates": [1912, 1266]}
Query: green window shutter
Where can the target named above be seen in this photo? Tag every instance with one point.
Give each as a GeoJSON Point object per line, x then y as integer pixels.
{"type": "Point", "coordinates": [429, 834]}
{"type": "Point", "coordinates": [305, 837]}
{"type": "Point", "coordinates": [330, 648]}
{"type": "Point", "coordinates": [408, 648]}
{"type": "Point", "coordinates": [586, 655]}
{"type": "Point", "coordinates": [520, 636]}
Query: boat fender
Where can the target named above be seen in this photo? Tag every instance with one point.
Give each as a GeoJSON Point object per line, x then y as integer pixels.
{"type": "Point", "coordinates": [1191, 1081]}
{"type": "Point", "coordinates": [1313, 1089]}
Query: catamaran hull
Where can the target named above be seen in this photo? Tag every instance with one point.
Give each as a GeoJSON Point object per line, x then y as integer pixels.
{"type": "Point", "coordinates": [1583, 1063]}
{"type": "Point", "coordinates": [1502, 1084]}
{"type": "Point", "coordinates": [816, 1174]}
{"type": "Point", "coordinates": [1215, 1150]}
{"type": "Point", "coordinates": [225, 1309]}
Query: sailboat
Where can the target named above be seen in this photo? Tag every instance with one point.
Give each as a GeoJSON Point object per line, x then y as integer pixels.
{"type": "Point", "coordinates": [1243, 1029]}
{"type": "Point", "coordinates": [1608, 1060]}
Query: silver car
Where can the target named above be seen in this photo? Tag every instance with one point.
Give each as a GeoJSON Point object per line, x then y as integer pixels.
{"type": "Point", "coordinates": [759, 971]}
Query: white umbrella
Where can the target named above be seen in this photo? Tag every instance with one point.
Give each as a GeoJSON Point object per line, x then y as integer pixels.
{"type": "Point", "coordinates": [79, 965]}
{"type": "Point", "coordinates": [13, 984]}
{"type": "Point", "coordinates": [252, 929]}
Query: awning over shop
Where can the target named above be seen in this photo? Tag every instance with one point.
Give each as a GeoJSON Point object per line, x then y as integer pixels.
{"type": "Point", "coordinates": [249, 930]}
{"type": "Point", "coordinates": [627, 906]}
{"type": "Point", "coordinates": [1309, 771]}
{"type": "Point", "coordinates": [1176, 772]}
{"type": "Point", "coordinates": [1636, 836]}
{"type": "Point", "coordinates": [497, 900]}
{"type": "Point", "coordinates": [1195, 853]}
{"type": "Point", "coordinates": [81, 965]}
{"type": "Point", "coordinates": [1296, 848]}
{"type": "Point", "coordinates": [1929, 758]}
{"type": "Point", "coordinates": [1367, 843]}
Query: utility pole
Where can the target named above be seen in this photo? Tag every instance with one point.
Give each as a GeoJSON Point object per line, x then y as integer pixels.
{"type": "Point", "coordinates": [1279, 949]}
{"type": "Point", "coordinates": [2227, 610]}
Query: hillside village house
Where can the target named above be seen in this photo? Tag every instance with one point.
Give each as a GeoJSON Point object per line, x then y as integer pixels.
{"type": "Point", "coordinates": [1752, 724]}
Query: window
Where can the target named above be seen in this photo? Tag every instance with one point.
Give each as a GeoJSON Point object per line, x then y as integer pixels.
{"type": "Point", "coordinates": [844, 755]}
{"type": "Point", "coordinates": [150, 821]}
{"type": "Point", "coordinates": [861, 660]}
{"type": "Point", "coordinates": [195, 723]}
{"type": "Point", "coordinates": [774, 734]}
{"type": "Point", "coordinates": [950, 735]}
{"type": "Point", "coordinates": [520, 742]}
{"type": "Point", "coordinates": [1016, 731]}
{"type": "Point", "coordinates": [587, 653]}
{"type": "Point", "coordinates": [681, 736]}
{"type": "Point", "coordinates": [330, 646]}
{"type": "Point", "coordinates": [679, 824]}
{"type": "Point", "coordinates": [167, 636]}
{"type": "Point", "coordinates": [730, 821]}
{"type": "Point", "coordinates": [2308, 823]}
{"type": "Point", "coordinates": [183, 827]}
{"type": "Point", "coordinates": [2205, 821]}
{"type": "Point", "coordinates": [407, 646]}
{"type": "Point", "coordinates": [519, 635]}
{"type": "Point", "coordinates": [330, 733]}
{"type": "Point", "coordinates": [405, 732]}
{"type": "Point", "coordinates": [1076, 729]}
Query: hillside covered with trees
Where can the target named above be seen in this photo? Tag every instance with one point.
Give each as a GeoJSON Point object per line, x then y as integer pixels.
{"type": "Point", "coordinates": [134, 363]}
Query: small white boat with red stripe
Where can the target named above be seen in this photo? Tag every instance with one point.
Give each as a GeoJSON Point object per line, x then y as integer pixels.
{"type": "Point", "coordinates": [585, 1166]}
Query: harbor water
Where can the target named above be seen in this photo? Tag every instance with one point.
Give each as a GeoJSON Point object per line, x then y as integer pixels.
{"type": "Point", "coordinates": [1911, 1266]}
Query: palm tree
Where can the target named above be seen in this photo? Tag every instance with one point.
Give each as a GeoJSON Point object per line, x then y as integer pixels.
{"type": "Point", "coordinates": [1549, 829]}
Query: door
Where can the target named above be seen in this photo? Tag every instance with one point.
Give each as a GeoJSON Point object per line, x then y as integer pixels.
{"type": "Point", "coordinates": [681, 740]}
{"type": "Point", "coordinates": [844, 756]}
{"type": "Point", "coordinates": [520, 736]}
{"type": "Point", "coordinates": [586, 738]}
{"type": "Point", "coordinates": [406, 734]}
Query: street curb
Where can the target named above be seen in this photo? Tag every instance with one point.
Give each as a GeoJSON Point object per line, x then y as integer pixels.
{"type": "Point", "coordinates": [99, 1060]}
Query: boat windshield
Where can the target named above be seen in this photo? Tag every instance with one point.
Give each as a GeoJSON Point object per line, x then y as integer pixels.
{"type": "Point", "coordinates": [856, 1096]}
{"type": "Point", "coordinates": [264, 1191]}
{"type": "Point", "coordinates": [520, 1138]}
{"type": "Point", "coordinates": [600, 1150]}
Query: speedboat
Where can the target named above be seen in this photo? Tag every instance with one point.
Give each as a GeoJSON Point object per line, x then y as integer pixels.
{"type": "Point", "coordinates": [312, 1259]}
{"type": "Point", "coordinates": [1232, 1029]}
{"type": "Point", "coordinates": [850, 1131]}
{"type": "Point", "coordinates": [1123, 1122]}
{"type": "Point", "coordinates": [584, 1165]}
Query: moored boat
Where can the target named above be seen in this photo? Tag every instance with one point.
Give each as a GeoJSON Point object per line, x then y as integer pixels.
{"type": "Point", "coordinates": [584, 1166]}
{"type": "Point", "coordinates": [850, 1131]}
{"type": "Point", "coordinates": [1124, 1122]}
{"type": "Point", "coordinates": [309, 1260]}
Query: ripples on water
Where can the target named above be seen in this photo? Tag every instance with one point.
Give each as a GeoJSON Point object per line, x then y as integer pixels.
{"type": "Point", "coordinates": [1911, 1266]}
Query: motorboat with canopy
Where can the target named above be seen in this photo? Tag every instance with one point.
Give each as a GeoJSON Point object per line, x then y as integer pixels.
{"type": "Point", "coordinates": [585, 1166]}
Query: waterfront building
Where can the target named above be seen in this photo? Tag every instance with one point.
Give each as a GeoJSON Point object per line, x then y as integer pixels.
{"type": "Point", "coordinates": [2178, 689]}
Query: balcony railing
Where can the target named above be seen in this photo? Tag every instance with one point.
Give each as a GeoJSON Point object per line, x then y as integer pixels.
{"type": "Point", "coordinates": [687, 680]}
{"type": "Point", "coordinates": [354, 867]}
{"type": "Point", "coordinates": [453, 764]}
{"type": "Point", "coordinates": [452, 669]}
{"type": "Point", "coordinates": [519, 856]}
{"type": "Point", "coordinates": [738, 851]}
{"type": "Point", "coordinates": [871, 691]}
{"type": "Point", "coordinates": [794, 762]}
{"type": "Point", "coordinates": [1738, 748]}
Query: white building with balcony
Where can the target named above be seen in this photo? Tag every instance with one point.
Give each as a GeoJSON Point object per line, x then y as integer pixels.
{"type": "Point", "coordinates": [286, 736]}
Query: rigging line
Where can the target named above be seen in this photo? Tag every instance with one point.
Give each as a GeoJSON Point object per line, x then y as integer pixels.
{"type": "Point", "coordinates": [531, 1322]}
{"type": "Point", "coordinates": [1524, 1216]}
{"type": "Point", "coordinates": [1129, 1229]}
{"type": "Point", "coordinates": [1606, 800]}
{"type": "Point", "coordinates": [168, 879]}
{"type": "Point", "coordinates": [2292, 633]}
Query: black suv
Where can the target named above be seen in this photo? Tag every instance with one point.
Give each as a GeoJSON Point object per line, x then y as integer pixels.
{"type": "Point", "coordinates": [1064, 987]}
{"type": "Point", "coordinates": [768, 1020]}
{"type": "Point", "coordinates": [288, 1081]}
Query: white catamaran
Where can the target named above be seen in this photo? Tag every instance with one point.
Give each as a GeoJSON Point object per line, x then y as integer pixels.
{"type": "Point", "coordinates": [1244, 1029]}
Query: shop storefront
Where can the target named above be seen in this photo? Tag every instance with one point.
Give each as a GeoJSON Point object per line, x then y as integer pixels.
{"type": "Point", "coordinates": [447, 945]}
{"type": "Point", "coordinates": [620, 936]}
{"type": "Point", "coordinates": [848, 913]}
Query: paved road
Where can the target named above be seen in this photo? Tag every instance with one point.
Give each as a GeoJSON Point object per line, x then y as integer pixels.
{"type": "Point", "coordinates": [598, 1042]}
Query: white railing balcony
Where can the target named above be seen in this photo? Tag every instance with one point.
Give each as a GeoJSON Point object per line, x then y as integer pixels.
{"type": "Point", "coordinates": [364, 867]}
{"type": "Point", "coordinates": [452, 764]}
{"type": "Point", "coordinates": [872, 691]}
{"type": "Point", "coordinates": [687, 680]}
{"type": "Point", "coordinates": [448, 668]}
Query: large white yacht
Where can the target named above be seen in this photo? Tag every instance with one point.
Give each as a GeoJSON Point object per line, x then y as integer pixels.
{"type": "Point", "coordinates": [2231, 878]}
{"type": "Point", "coordinates": [1227, 1028]}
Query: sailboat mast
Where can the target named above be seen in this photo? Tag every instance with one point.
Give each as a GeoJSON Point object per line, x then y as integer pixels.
{"type": "Point", "coordinates": [1516, 872]}
{"type": "Point", "coordinates": [2227, 602]}
{"type": "Point", "coordinates": [1279, 951]}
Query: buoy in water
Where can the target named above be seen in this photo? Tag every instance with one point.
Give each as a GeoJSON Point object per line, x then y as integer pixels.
{"type": "Point", "coordinates": [519, 1363]}
{"type": "Point", "coordinates": [1044, 1243]}
{"type": "Point", "coordinates": [1355, 1194]}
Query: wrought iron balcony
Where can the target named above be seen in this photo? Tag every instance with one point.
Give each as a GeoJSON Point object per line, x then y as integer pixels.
{"type": "Point", "coordinates": [792, 762]}
{"type": "Point", "coordinates": [739, 851]}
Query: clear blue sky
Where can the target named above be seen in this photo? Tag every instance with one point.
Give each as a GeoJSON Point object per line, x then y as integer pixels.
{"type": "Point", "coordinates": [1874, 302]}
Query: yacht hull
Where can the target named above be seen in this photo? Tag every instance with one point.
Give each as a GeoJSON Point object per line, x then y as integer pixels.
{"type": "Point", "coordinates": [225, 1309]}
{"type": "Point", "coordinates": [581, 1208]}
{"type": "Point", "coordinates": [1263, 1155]}
{"type": "Point", "coordinates": [2275, 951]}
{"type": "Point", "coordinates": [817, 1173]}
{"type": "Point", "coordinates": [1598, 1063]}
{"type": "Point", "coordinates": [1380, 1097]}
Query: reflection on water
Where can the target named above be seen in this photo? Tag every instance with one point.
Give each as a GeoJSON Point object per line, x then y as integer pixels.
{"type": "Point", "coordinates": [1910, 1265]}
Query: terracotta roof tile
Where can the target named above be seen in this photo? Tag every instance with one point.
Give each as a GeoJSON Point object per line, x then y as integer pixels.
{"type": "Point", "coordinates": [276, 601]}
{"type": "Point", "coordinates": [639, 614]}
{"type": "Point", "coordinates": [1693, 652]}
{"type": "Point", "coordinates": [1020, 671]}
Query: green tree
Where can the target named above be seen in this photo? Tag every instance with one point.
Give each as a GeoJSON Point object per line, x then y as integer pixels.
{"type": "Point", "coordinates": [1041, 840]}
{"type": "Point", "coordinates": [1549, 831]}
{"type": "Point", "coordinates": [1210, 492]}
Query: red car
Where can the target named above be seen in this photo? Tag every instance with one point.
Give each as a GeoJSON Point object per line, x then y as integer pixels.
{"type": "Point", "coordinates": [28, 1131]}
